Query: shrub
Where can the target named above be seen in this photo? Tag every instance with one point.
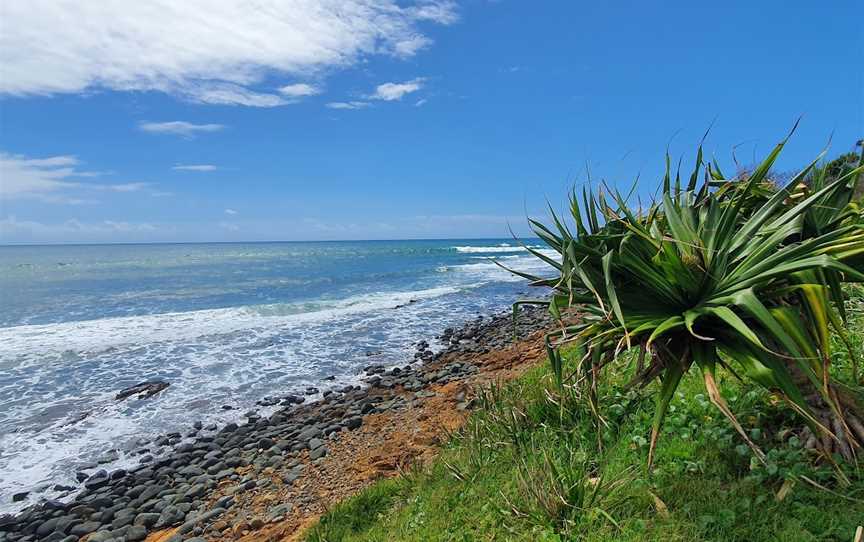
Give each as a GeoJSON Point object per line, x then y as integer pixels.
{"type": "Point", "coordinates": [717, 274]}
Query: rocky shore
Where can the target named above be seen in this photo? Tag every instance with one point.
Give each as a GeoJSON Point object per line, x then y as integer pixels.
{"type": "Point", "coordinates": [267, 477]}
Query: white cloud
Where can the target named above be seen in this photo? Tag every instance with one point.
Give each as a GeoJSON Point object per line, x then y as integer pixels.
{"type": "Point", "coordinates": [395, 91]}
{"type": "Point", "coordinates": [204, 51]}
{"type": "Point", "coordinates": [348, 105]}
{"type": "Point", "coordinates": [178, 127]}
{"type": "Point", "coordinates": [12, 229]}
{"type": "Point", "coordinates": [420, 102]}
{"type": "Point", "coordinates": [56, 179]}
{"type": "Point", "coordinates": [298, 90]}
{"type": "Point", "coordinates": [195, 167]}
{"type": "Point", "coordinates": [36, 178]}
{"type": "Point", "coordinates": [230, 212]}
{"type": "Point", "coordinates": [127, 187]}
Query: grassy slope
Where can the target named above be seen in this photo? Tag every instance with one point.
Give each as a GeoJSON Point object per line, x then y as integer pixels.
{"type": "Point", "coordinates": [486, 483]}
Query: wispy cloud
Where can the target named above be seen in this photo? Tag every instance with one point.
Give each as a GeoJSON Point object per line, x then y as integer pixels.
{"type": "Point", "coordinates": [299, 90]}
{"type": "Point", "coordinates": [179, 127]}
{"type": "Point", "coordinates": [395, 91]}
{"type": "Point", "coordinates": [421, 102]}
{"type": "Point", "coordinates": [230, 212]}
{"type": "Point", "coordinates": [348, 105]}
{"type": "Point", "coordinates": [182, 48]}
{"type": "Point", "coordinates": [195, 167]}
{"type": "Point", "coordinates": [56, 179]}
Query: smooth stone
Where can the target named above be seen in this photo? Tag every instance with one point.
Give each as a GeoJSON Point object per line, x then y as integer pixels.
{"type": "Point", "coordinates": [353, 423]}
{"type": "Point", "coordinates": [135, 533]}
{"type": "Point", "coordinates": [99, 479]}
{"type": "Point", "coordinates": [85, 528]}
{"type": "Point", "coordinates": [147, 519]}
{"type": "Point", "coordinates": [318, 453]}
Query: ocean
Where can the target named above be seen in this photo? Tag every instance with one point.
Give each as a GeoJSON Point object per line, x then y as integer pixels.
{"type": "Point", "coordinates": [223, 323]}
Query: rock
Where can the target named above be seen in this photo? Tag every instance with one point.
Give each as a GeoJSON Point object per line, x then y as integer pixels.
{"type": "Point", "coordinates": [171, 515]}
{"type": "Point", "coordinates": [195, 491]}
{"type": "Point", "coordinates": [99, 479]}
{"type": "Point", "coordinates": [109, 457]}
{"type": "Point", "coordinates": [279, 511]}
{"type": "Point", "coordinates": [146, 519]}
{"type": "Point", "coordinates": [354, 423]}
{"type": "Point", "coordinates": [315, 443]}
{"type": "Point", "coordinates": [311, 390]}
{"type": "Point", "coordinates": [135, 533]}
{"type": "Point", "coordinates": [191, 471]}
{"type": "Point", "coordinates": [47, 527]}
{"type": "Point", "coordinates": [290, 478]}
{"type": "Point", "coordinates": [318, 453]}
{"type": "Point", "coordinates": [310, 433]}
{"type": "Point", "coordinates": [230, 428]}
{"type": "Point", "coordinates": [18, 497]}
{"type": "Point", "coordinates": [225, 502]}
{"type": "Point", "coordinates": [144, 390]}
{"type": "Point", "coordinates": [85, 528]}
{"type": "Point", "coordinates": [266, 443]}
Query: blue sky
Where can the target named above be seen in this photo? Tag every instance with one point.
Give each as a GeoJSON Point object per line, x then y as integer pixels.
{"type": "Point", "coordinates": [374, 119]}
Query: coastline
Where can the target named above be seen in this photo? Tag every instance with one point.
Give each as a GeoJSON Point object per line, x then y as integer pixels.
{"type": "Point", "coordinates": [269, 477]}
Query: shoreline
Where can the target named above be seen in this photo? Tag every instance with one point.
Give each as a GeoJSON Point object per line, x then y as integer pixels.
{"type": "Point", "coordinates": [230, 479]}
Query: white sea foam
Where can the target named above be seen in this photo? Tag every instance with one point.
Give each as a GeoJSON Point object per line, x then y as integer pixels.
{"type": "Point", "coordinates": [493, 249]}
{"type": "Point", "coordinates": [93, 336]}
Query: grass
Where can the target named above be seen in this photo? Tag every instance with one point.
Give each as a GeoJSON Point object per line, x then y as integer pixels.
{"type": "Point", "coordinates": [533, 464]}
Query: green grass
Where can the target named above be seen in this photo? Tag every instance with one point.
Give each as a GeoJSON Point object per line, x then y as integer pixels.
{"type": "Point", "coordinates": [531, 464]}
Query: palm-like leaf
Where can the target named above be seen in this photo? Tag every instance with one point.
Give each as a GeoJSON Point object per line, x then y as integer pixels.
{"type": "Point", "coordinates": [723, 273]}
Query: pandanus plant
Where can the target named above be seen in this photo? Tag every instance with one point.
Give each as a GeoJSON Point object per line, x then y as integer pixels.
{"type": "Point", "coordinates": [713, 274]}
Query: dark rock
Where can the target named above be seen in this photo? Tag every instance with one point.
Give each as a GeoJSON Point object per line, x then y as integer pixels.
{"type": "Point", "coordinates": [135, 533]}
{"type": "Point", "coordinates": [318, 453]}
{"type": "Point", "coordinates": [85, 528]}
{"type": "Point", "coordinates": [18, 497]}
{"type": "Point", "coordinates": [146, 519]}
{"type": "Point", "coordinates": [99, 479]}
{"type": "Point", "coordinates": [144, 390]}
{"type": "Point", "coordinates": [353, 423]}
{"type": "Point", "coordinates": [230, 428]}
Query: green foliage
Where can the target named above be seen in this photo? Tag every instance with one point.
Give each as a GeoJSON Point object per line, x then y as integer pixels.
{"type": "Point", "coordinates": [357, 515]}
{"type": "Point", "coordinates": [717, 275]}
{"type": "Point", "coordinates": [708, 489]}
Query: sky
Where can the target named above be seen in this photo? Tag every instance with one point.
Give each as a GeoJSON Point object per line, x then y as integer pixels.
{"type": "Point", "coordinates": [230, 120]}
